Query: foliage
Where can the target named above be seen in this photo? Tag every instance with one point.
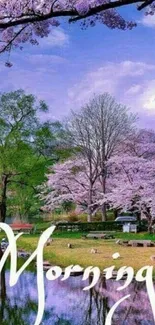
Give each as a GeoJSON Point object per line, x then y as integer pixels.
{"type": "Point", "coordinates": [27, 147]}
{"type": "Point", "coordinates": [68, 206]}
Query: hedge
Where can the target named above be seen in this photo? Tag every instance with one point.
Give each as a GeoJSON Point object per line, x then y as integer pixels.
{"type": "Point", "coordinates": [91, 226]}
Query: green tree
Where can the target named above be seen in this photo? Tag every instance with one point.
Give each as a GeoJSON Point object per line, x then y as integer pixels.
{"type": "Point", "coordinates": [27, 148]}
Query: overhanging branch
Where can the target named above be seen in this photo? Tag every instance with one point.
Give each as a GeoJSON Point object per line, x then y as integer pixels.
{"type": "Point", "coordinates": [72, 14]}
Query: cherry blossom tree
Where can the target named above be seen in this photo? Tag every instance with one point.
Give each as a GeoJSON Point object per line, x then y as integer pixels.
{"type": "Point", "coordinates": [99, 130]}
{"type": "Point", "coordinates": [70, 181]}
{"type": "Point", "coordinates": [132, 182]}
{"type": "Point", "coordinates": [25, 20]}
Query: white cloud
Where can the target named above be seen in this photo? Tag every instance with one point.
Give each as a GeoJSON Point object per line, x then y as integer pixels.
{"type": "Point", "coordinates": [148, 21]}
{"type": "Point", "coordinates": [148, 96]}
{"type": "Point", "coordinates": [45, 59]}
{"type": "Point", "coordinates": [116, 78]}
{"type": "Point", "coordinates": [57, 38]}
{"type": "Point", "coordinates": [130, 82]}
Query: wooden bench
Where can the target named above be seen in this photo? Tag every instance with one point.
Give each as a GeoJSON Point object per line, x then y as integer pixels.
{"type": "Point", "coordinates": [99, 235]}
{"type": "Point", "coordinates": [144, 243]}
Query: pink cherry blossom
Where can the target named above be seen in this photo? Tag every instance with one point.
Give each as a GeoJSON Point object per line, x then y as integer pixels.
{"type": "Point", "coordinates": [69, 181]}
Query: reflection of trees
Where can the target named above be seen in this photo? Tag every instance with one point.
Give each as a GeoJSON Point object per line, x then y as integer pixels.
{"type": "Point", "coordinates": [11, 312]}
{"type": "Point", "coordinates": [19, 307]}
{"type": "Point", "coordinates": [101, 303]}
{"type": "Point", "coordinates": [92, 307]}
{"type": "Point", "coordinates": [97, 305]}
{"type": "Point", "coordinates": [2, 295]}
{"type": "Point", "coordinates": [135, 311]}
{"type": "Point", "coordinates": [130, 309]}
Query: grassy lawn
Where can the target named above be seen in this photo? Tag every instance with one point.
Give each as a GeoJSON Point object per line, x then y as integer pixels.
{"type": "Point", "coordinates": [59, 253]}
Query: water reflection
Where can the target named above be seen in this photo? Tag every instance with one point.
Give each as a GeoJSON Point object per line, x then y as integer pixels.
{"type": "Point", "coordinates": [68, 304]}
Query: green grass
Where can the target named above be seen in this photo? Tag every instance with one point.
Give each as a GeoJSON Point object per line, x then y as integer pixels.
{"type": "Point", "coordinates": [58, 252]}
{"type": "Point", "coordinates": [69, 235]}
{"type": "Point", "coordinates": [119, 235]}
{"type": "Point", "coordinates": [130, 236]}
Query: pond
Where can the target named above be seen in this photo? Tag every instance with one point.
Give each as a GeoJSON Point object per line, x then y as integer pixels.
{"type": "Point", "coordinates": [68, 304]}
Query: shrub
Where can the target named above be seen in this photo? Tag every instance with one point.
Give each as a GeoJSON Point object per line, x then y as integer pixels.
{"type": "Point", "coordinates": [91, 226]}
{"type": "Point", "coordinates": [73, 216]}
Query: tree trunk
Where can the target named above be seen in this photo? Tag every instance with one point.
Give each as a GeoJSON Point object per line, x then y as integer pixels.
{"type": "Point", "coordinates": [148, 216]}
{"type": "Point", "coordinates": [103, 209]}
{"type": "Point", "coordinates": [90, 210]}
{"type": "Point", "coordinates": [4, 182]}
{"type": "Point", "coordinates": [89, 217]}
{"type": "Point", "coordinates": [104, 215]}
{"type": "Point", "coordinates": [150, 223]}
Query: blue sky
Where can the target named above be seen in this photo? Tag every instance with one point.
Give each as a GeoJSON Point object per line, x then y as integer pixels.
{"type": "Point", "coordinates": [72, 64]}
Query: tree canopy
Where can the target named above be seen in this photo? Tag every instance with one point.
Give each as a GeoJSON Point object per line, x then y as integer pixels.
{"type": "Point", "coordinates": [27, 147]}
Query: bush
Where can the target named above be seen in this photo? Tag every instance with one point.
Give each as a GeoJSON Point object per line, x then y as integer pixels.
{"type": "Point", "coordinates": [68, 206]}
{"type": "Point", "coordinates": [91, 226]}
{"type": "Point", "coordinates": [73, 217]}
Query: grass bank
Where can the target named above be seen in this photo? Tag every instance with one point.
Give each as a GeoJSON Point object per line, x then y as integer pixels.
{"type": "Point", "coordinates": [59, 253]}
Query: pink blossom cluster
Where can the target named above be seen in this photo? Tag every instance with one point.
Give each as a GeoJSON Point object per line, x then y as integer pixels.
{"type": "Point", "coordinates": [69, 181]}
{"type": "Point", "coordinates": [133, 184]}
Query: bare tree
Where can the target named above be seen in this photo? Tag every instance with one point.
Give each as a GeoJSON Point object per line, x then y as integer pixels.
{"type": "Point", "coordinates": [98, 130]}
